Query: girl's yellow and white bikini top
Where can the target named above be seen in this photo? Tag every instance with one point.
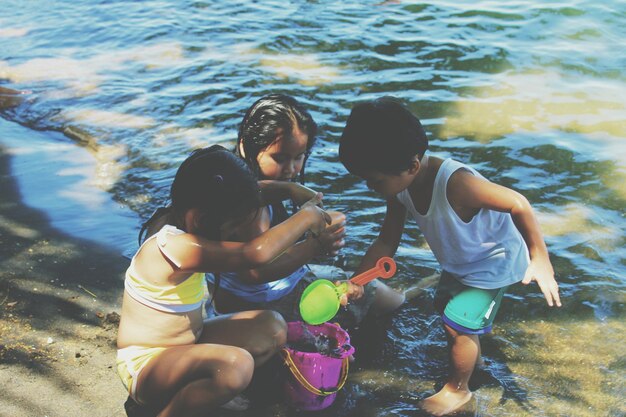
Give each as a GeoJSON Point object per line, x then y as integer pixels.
{"type": "Point", "coordinates": [186, 296]}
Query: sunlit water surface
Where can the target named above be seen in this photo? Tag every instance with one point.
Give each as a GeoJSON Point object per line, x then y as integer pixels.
{"type": "Point", "coordinates": [531, 93]}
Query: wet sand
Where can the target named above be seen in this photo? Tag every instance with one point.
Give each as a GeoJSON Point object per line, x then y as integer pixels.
{"type": "Point", "coordinates": [59, 299]}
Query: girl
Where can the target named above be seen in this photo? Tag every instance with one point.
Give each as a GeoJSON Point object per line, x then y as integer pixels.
{"type": "Point", "coordinates": [168, 358]}
{"type": "Point", "coordinates": [275, 139]}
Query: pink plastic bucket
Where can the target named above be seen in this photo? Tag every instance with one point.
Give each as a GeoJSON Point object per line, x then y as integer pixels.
{"type": "Point", "coordinates": [314, 379]}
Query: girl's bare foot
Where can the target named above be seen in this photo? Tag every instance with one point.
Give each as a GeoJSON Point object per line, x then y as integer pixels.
{"type": "Point", "coordinates": [446, 401]}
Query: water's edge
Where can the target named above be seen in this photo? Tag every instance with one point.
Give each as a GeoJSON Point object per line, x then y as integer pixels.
{"type": "Point", "coordinates": [58, 178]}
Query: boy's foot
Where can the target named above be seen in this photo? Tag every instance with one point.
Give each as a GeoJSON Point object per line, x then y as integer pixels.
{"type": "Point", "coordinates": [446, 401]}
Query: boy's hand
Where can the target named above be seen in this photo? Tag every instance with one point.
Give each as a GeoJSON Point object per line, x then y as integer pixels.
{"type": "Point", "coordinates": [354, 292]}
{"type": "Point", "coordinates": [540, 270]}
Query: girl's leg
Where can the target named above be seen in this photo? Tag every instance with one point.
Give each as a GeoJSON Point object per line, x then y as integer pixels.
{"type": "Point", "coordinates": [261, 332]}
{"type": "Point", "coordinates": [463, 350]}
{"type": "Point", "coordinates": [423, 284]}
{"type": "Point", "coordinates": [226, 302]}
{"type": "Point", "coordinates": [193, 379]}
{"type": "Point", "coordinates": [386, 300]}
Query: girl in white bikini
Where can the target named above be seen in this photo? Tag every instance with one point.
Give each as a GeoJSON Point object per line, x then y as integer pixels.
{"type": "Point", "coordinates": [168, 358]}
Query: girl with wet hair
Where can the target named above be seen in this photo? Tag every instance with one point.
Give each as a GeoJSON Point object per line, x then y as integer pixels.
{"type": "Point", "coordinates": [275, 139]}
{"type": "Point", "coordinates": [274, 117]}
{"type": "Point", "coordinates": [171, 360]}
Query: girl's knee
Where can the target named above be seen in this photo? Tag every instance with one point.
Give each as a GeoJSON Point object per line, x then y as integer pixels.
{"type": "Point", "coordinates": [270, 334]}
{"type": "Point", "coordinates": [236, 372]}
{"type": "Point", "coordinates": [387, 299]}
{"type": "Point", "coordinates": [275, 326]}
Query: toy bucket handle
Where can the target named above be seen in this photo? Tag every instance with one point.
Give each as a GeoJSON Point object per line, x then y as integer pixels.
{"type": "Point", "coordinates": [306, 384]}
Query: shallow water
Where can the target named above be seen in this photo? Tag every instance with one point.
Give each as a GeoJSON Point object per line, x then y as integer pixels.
{"type": "Point", "coordinates": [532, 94]}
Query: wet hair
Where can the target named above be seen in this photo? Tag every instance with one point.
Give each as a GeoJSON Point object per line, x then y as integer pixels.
{"type": "Point", "coordinates": [263, 121]}
{"type": "Point", "coordinates": [381, 136]}
{"type": "Point", "coordinates": [217, 182]}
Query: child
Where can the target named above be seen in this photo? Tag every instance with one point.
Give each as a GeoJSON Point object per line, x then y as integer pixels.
{"type": "Point", "coordinates": [485, 236]}
{"type": "Point", "coordinates": [275, 139]}
{"type": "Point", "coordinates": [168, 359]}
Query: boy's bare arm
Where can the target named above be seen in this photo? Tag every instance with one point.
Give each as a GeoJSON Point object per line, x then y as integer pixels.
{"type": "Point", "coordinates": [388, 238]}
{"type": "Point", "coordinates": [468, 192]}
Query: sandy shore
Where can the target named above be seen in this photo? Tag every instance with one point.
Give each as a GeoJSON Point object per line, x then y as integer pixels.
{"type": "Point", "coordinates": [59, 299]}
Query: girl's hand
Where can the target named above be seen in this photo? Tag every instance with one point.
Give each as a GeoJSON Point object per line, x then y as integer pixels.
{"type": "Point", "coordinates": [331, 240]}
{"type": "Point", "coordinates": [540, 270]}
{"type": "Point", "coordinates": [301, 194]}
{"type": "Point", "coordinates": [354, 292]}
{"type": "Point", "coordinates": [322, 219]}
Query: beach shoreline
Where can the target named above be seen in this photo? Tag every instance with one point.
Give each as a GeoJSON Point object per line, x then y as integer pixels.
{"type": "Point", "coordinates": [60, 299]}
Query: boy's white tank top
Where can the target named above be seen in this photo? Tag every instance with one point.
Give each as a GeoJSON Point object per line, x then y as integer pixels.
{"type": "Point", "coordinates": [488, 252]}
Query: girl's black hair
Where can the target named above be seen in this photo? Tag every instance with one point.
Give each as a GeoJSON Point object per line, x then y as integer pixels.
{"type": "Point", "coordinates": [263, 121]}
{"type": "Point", "coordinates": [213, 180]}
{"type": "Point", "coordinates": [217, 182]}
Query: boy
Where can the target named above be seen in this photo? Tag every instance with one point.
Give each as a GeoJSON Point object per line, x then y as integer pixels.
{"type": "Point", "coordinates": [485, 236]}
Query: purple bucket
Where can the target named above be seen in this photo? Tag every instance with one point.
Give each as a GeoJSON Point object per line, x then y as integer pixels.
{"type": "Point", "coordinates": [314, 379]}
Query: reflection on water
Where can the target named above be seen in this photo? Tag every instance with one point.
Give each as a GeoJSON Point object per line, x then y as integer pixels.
{"type": "Point", "coordinates": [542, 101]}
{"type": "Point", "coordinates": [572, 219]}
{"type": "Point", "coordinates": [530, 93]}
{"type": "Point", "coordinates": [306, 69]}
{"type": "Point", "coordinates": [108, 119]}
{"type": "Point", "coordinates": [12, 32]}
{"type": "Point", "coordinates": [86, 75]}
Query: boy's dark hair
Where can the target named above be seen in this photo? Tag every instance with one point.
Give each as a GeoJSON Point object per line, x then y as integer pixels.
{"type": "Point", "coordinates": [217, 182]}
{"type": "Point", "coordinates": [265, 118]}
{"type": "Point", "coordinates": [382, 136]}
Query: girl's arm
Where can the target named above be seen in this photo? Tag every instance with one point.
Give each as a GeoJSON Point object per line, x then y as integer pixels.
{"type": "Point", "coordinates": [276, 191]}
{"type": "Point", "coordinates": [468, 193]}
{"type": "Point", "coordinates": [329, 241]}
{"type": "Point", "coordinates": [197, 254]}
{"type": "Point", "coordinates": [288, 262]}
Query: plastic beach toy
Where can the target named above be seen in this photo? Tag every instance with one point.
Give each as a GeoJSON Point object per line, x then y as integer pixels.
{"type": "Point", "coordinates": [321, 300]}
{"type": "Point", "coordinates": [315, 377]}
